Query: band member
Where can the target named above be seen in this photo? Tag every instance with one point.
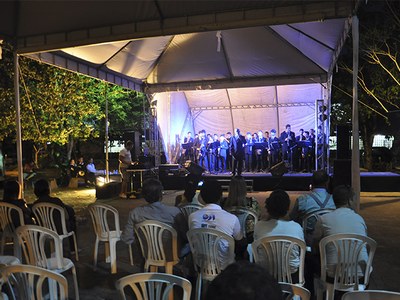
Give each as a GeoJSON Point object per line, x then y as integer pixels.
{"type": "Point", "coordinates": [300, 137]}
{"type": "Point", "coordinates": [196, 148]}
{"type": "Point", "coordinates": [223, 152]}
{"type": "Point", "coordinates": [203, 157]}
{"type": "Point", "coordinates": [210, 165]}
{"type": "Point", "coordinates": [274, 148]}
{"type": "Point", "coordinates": [248, 152]}
{"type": "Point", "coordinates": [214, 154]}
{"type": "Point", "coordinates": [189, 153]}
{"type": "Point", "coordinates": [228, 137]}
{"type": "Point", "coordinates": [259, 149]}
{"type": "Point", "coordinates": [288, 140]}
{"type": "Point", "coordinates": [307, 153]}
{"type": "Point", "coordinates": [238, 143]}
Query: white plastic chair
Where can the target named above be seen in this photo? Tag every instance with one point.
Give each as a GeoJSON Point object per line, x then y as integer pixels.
{"type": "Point", "coordinates": [35, 242]}
{"type": "Point", "coordinates": [187, 209]}
{"type": "Point", "coordinates": [159, 244]}
{"type": "Point", "coordinates": [53, 216]}
{"type": "Point", "coordinates": [32, 283]}
{"type": "Point", "coordinates": [348, 249]}
{"type": "Point", "coordinates": [153, 286]}
{"type": "Point", "coordinates": [309, 221]}
{"type": "Point", "coordinates": [371, 295]}
{"type": "Point", "coordinates": [103, 216]}
{"type": "Point", "coordinates": [212, 251]}
{"type": "Point", "coordinates": [275, 254]}
{"type": "Point", "coordinates": [243, 215]}
{"type": "Point", "coordinates": [292, 291]}
{"type": "Point", "coordinates": [7, 210]}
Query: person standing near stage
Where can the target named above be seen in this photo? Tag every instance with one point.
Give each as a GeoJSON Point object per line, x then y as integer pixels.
{"type": "Point", "coordinates": [125, 160]}
{"type": "Point", "coordinates": [259, 150]}
{"type": "Point", "coordinates": [238, 143]}
{"type": "Point", "coordinates": [189, 155]}
{"type": "Point", "coordinates": [288, 141]}
{"type": "Point", "coordinates": [229, 157]}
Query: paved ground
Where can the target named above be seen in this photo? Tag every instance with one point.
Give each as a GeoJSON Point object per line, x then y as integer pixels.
{"type": "Point", "coordinates": [380, 211]}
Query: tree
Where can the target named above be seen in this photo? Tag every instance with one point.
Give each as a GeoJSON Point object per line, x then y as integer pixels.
{"type": "Point", "coordinates": [61, 107]}
{"type": "Point", "coordinates": [379, 71]}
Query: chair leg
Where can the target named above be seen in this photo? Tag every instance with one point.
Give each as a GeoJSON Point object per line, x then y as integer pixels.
{"type": "Point", "coordinates": [169, 269]}
{"type": "Point", "coordinates": [3, 242]}
{"type": "Point", "coordinates": [130, 254]}
{"type": "Point", "coordinates": [96, 249]}
{"type": "Point", "coordinates": [318, 288]}
{"type": "Point", "coordinates": [330, 292]}
{"type": "Point", "coordinates": [113, 256]}
{"type": "Point", "coordinates": [75, 246]}
{"type": "Point", "coordinates": [75, 283]}
{"type": "Point", "coordinates": [198, 286]}
{"type": "Point", "coordinates": [107, 251]}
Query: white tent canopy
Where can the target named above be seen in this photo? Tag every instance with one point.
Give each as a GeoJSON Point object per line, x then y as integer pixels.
{"type": "Point", "coordinates": [273, 49]}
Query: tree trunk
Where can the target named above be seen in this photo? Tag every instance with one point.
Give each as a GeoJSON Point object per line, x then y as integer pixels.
{"type": "Point", "coordinates": [70, 147]}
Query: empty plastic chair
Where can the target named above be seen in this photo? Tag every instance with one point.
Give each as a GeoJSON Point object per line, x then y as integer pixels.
{"type": "Point", "coordinates": [292, 291]}
{"type": "Point", "coordinates": [153, 286]}
{"type": "Point", "coordinates": [371, 295]}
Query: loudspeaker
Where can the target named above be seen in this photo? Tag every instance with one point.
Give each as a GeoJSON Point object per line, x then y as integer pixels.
{"type": "Point", "coordinates": [279, 169]}
{"type": "Point", "coordinates": [133, 136]}
{"type": "Point", "coordinates": [194, 168]}
{"type": "Point", "coordinates": [109, 190]}
{"type": "Point", "coordinates": [343, 142]}
{"type": "Point", "coordinates": [341, 172]}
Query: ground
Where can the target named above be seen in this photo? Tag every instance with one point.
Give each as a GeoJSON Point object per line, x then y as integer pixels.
{"type": "Point", "coordinates": [380, 211]}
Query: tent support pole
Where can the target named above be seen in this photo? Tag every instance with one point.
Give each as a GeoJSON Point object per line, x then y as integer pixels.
{"type": "Point", "coordinates": [18, 121]}
{"type": "Point", "coordinates": [230, 109]}
{"type": "Point", "coordinates": [355, 157]}
{"type": "Point", "coordinates": [106, 134]}
{"type": "Point", "coordinates": [278, 131]}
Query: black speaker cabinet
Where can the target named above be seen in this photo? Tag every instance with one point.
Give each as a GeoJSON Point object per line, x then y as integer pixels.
{"type": "Point", "coordinates": [279, 169]}
{"type": "Point", "coordinates": [343, 142]}
{"type": "Point", "coordinates": [341, 172]}
{"type": "Point", "coordinates": [108, 190]}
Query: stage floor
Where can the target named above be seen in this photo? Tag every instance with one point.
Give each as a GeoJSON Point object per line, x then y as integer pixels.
{"type": "Point", "coordinates": [370, 181]}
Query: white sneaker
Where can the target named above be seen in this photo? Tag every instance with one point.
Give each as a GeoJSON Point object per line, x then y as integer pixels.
{"type": "Point", "coordinates": [122, 195]}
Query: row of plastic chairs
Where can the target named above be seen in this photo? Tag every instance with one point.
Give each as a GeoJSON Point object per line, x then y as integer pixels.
{"type": "Point", "coordinates": [47, 215]}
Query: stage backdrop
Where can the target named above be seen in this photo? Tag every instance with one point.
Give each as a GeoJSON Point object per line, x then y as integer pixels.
{"type": "Point", "coordinates": [220, 111]}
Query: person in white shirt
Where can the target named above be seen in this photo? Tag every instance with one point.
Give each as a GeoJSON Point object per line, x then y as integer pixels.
{"type": "Point", "coordinates": [213, 216]}
{"type": "Point", "coordinates": [91, 173]}
{"type": "Point", "coordinates": [125, 160]}
{"type": "Point", "coordinates": [277, 205]}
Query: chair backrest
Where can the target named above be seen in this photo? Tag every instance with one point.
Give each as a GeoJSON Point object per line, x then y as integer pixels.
{"type": "Point", "coordinates": [51, 216]}
{"type": "Point", "coordinates": [292, 291]}
{"type": "Point", "coordinates": [277, 252]}
{"type": "Point", "coordinates": [102, 215]}
{"type": "Point", "coordinates": [371, 295]}
{"type": "Point", "coordinates": [32, 283]}
{"type": "Point", "coordinates": [244, 215]}
{"type": "Point", "coordinates": [187, 209]}
{"type": "Point", "coordinates": [212, 251]}
{"type": "Point", "coordinates": [348, 249]}
{"type": "Point", "coordinates": [152, 286]}
{"type": "Point", "coordinates": [9, 215]}
{"type": "Point", "coordinates": [158, 241]}
{"type": "Point", "coordinates": [36, 241]}
{"type": "Point", "coordinates": [310, 219]}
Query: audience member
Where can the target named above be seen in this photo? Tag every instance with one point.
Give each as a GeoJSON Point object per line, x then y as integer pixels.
{"type": "Point", "coordinates": [342, 220]}
{"type": "Point", "coordinates": [213, 216]}
{"type": "Point", "coordinates": [318, 199]}
{"type": "Point", "coordinates": [155, 210]}
{"type": "Point", "coordinates": [12, 195]}
{"type": "Point", "coordinates": [42, 192]}
{"type": "Point", "coordinates": [91, 173]}
{"type": "Point", "coordinates": [80, 167]}
{"type": "Point", "coordinates": [237, 197]}
{"type": "Point", "coordinates": [244, 281]}
{"type": "Point", "coordinates": [189, 196]}
{"type": "Point", "coordinates": [72, 168]}
{"type": "Point", "coordinates": [277, 205]}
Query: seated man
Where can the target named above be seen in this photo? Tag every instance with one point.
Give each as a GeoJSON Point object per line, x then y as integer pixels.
{"type": "Point", "coordinates": [42, 191]}
{"type": "Point", "coordinates": [219, 219]}
{"type": "Point", "coordinates": [155, 210]}
{"type": "Point", "coordinates": [277, 205]}
{"type": "Point", "coordinates": [342, 220]}
{"type": "Point", "coordinates": [91, 172]}
{"type": "Point", "coordinates": [318, 199]}
{"type": "Point", "coordinates": [244, 281]}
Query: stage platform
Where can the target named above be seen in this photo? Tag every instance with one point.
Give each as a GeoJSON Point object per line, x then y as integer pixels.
{"type": "Point", "coordinates": [370, 181]}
